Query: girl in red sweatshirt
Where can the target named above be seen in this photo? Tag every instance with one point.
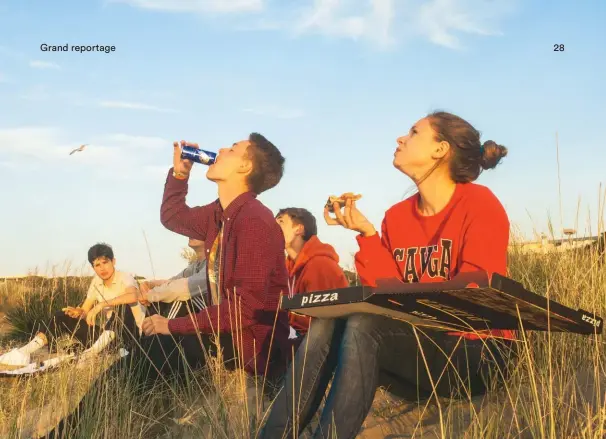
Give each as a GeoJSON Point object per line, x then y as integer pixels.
{"type": "Point", "coordinates": [450, 226]}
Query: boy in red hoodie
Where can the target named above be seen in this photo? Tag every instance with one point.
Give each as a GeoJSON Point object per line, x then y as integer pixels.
{"type": "Point", "coordinates": [312, 265]}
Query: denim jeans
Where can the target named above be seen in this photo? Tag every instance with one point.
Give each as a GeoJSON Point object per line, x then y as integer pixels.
{"type": "Point", "coordinates": [355, 349]}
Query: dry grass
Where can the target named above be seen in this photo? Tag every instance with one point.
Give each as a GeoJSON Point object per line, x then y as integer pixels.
{"type": "Point", "coordinates": [557, 389]}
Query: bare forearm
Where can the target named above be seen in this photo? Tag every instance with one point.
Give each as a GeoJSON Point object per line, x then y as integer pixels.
{"type": "Point", "coordinates": [88, 305]}
{"type": "Point", "coordinates": [124, 299]}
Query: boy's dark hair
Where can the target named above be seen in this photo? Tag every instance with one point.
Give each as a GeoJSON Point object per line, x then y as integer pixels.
{"type": "Point", "coordinates": [268, 164]}
{"type": "Point", "coordinates": [100, 250]}
{"type": "Point", "coordinates": [303, 217]}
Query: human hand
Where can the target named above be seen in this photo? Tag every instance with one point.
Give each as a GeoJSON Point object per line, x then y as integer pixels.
{"type": "Point", "coordinates": [145, 286]}
{"type": "Point", "coordinates": [155, 324]}
{"type": "Point", "coordinates": [92, 314]}
{"type": "Point", "coordinates": [351, 218]}
{"type": "Point", "coordinates": [74, 312]}
{"type": "Point", "coordinates": [143, 296]}
{"type": "Point", "coordinates": [181, 166]}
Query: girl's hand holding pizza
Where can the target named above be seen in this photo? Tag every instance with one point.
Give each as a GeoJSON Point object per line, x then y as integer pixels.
{"type": "Point", "coordinates": [351, 218]}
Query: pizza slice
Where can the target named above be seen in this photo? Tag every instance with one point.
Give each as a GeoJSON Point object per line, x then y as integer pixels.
{"type": "Point", "coordinates": [341, 200]}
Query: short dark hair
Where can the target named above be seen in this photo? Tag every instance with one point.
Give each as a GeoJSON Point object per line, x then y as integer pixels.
{"type": "Point", "coordinates": [469, 156]}
{"type": "Point", "coordinates": [267, 161]}
{"type": "Point", "coordinates": [100, 250]}
{"type": "Point", "coordinates": [303, 217]}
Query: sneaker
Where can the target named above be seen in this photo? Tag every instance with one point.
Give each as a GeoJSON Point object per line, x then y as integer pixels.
{"type": "Point", "coordinates": [27, 370]}
{"type": "Point", "coordinates": [56, 360]}
{"type": "Point", "coordinates": [42, 366]}
{"type": "Point", "coordinates": [15, 358]}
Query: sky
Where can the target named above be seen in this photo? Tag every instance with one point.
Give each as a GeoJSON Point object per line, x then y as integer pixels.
{"type": "Point", "coordinates": [332, 83]}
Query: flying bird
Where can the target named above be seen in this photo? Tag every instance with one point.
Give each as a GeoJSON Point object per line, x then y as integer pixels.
{"type": "Point", "coordinates": [81, 148]}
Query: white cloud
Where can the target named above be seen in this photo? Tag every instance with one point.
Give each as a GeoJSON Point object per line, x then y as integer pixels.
{"type": "Point", "coordinates": [382, 22]}
{"type": "Point", "coordinates": [385, 21]}
{"type": "Point", "coordinates": [8, 164]}
{"type": "Point", "coordinates": [134, 106]}
{"type": "Point", "coordinates": [111, 154]}
{"type": "Point", "coordinates": [351, 19]}
{"type": "Point", "coordinates": [261, 25]}
{"type": "Point", "coordinates": [36, 64]}
{"type": "Point", "coordinates": [42, 92]}
{"type": "Point", "coordinates": [440, 20]}
{"type": "Point", "coordinates": [36, 93]}
{"type": "Point", "coordinates": [18, 166]}
{"type": "Point", "coordinates": [7, 51]}
{"type": "Point", "coordinates": [45, 143]}
{"type": "Point", "coordinates": [275, 112]}
{"type": "Point", "coordinates": [220, 6]}
{"type": "Point", "coordinates": [129, 141]}
{"type": "Point", "coordinates": [156, 170]}
{"type": "Point", "coordinates": [30, 142]}
{"type": "Point", "coordinates": [143, 173]}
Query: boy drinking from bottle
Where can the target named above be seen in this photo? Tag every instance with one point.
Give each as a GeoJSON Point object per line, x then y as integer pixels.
{"type": "Point", "coordinates": [245, 254]}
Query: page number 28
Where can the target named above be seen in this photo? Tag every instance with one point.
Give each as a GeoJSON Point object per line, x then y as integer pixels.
{"type": "Point", "coordinates": [558, 47]}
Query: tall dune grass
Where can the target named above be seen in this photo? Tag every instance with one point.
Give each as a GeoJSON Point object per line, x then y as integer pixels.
{"type": "Point", "coordinates": [557, 388]}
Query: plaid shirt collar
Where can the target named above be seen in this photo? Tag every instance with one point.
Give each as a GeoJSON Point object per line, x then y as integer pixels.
{"type": "Point", "coordinates": [233, 208]}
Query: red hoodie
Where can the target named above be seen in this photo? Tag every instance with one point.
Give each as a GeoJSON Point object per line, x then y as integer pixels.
{"type": "Point", "coordinates": [315, 269]}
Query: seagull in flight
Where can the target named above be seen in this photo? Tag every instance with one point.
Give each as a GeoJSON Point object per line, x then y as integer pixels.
{"type": "Point", "coordinates": [81, 148]}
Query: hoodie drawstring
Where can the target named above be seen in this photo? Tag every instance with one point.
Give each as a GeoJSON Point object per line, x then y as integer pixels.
{"type": "Point", "coordinates": [291, 287]}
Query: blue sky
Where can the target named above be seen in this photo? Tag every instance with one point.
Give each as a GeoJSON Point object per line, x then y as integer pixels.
{"type": "Point", "coordinates": [333, 83]}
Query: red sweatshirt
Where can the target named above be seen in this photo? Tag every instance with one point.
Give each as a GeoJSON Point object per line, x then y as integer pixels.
{"type": "Point", "coordinates": [471, 233]}
{"type": "Point", "coordinates": [252, 268]}
{"type": "Point", "coordinates": [315, 269]}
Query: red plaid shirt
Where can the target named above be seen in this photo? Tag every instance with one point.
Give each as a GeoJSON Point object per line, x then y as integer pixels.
{"type": "Point", "coordinates": [252, 271]}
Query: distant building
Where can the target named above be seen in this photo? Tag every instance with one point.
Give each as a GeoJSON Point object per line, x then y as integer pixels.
{"type": "Point", "coordinates": [544, 245]}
